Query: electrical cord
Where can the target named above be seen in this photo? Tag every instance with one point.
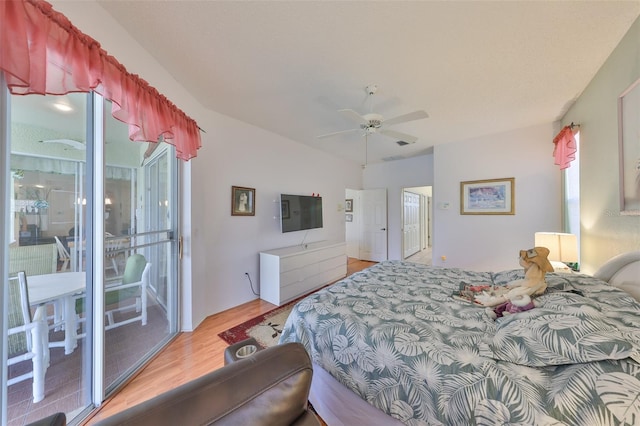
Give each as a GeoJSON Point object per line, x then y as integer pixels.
{"type": "Point", "coordinates": [251, 284]}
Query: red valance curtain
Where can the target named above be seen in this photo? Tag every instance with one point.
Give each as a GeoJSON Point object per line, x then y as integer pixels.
{"type": "Point", "coordinates": [42, 52]}
{"type": "Point", "coordinates": [565, 147]}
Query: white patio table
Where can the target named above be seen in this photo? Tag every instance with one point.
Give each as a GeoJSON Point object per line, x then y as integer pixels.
{"type": "Point", "coordinates": [61, 286]}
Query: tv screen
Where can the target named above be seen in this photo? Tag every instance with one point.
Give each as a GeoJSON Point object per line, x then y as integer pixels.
{"type": "Point", "coordinates": [300, 212]}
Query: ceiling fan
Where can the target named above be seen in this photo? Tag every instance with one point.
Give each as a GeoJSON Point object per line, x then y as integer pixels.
{"type": "Point", "coordinates": [375, 123]}
{"type": "Point", "coordinates": [70, 142]}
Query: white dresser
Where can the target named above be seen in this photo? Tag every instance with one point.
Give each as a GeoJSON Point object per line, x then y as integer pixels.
{"type": "Point", "coordinates": [290, 272]}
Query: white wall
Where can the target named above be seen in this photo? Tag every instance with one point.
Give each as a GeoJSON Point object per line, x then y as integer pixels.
{"type": "Point", "coordinates": [604, 231]}
{"type": "Point", "coordinates": [224, 246]}
{"type": "Point", "coordinates": [492, 242]}
{"type": "Point", "coordinates": [394, 176]}
{"type": "Point", "coordinates": [220, 248]}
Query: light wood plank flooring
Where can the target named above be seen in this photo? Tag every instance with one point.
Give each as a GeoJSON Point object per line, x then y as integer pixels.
{"type": "Point", "coordinates": [190, 355]}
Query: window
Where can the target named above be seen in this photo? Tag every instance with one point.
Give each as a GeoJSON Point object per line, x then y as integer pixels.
{"type": "Point", "coordinates": [571, 189]}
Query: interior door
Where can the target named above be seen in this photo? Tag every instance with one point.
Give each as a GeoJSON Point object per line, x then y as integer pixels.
{"type": "Point", "coordinates": [411, 223]}
{"type": "Point", "coordinates": [159, 228]}
{"type": "Point", "coordinates": [373, 239]}
{"type": "Point", "coordinates": [428, 231]}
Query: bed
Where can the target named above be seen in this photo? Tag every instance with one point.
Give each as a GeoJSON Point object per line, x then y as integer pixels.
{"type": "Point", "coordinates": [393, 344]}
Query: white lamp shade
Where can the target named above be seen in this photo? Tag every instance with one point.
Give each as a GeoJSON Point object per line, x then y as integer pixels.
{"type": "Point", "coordinates": [562, 247]}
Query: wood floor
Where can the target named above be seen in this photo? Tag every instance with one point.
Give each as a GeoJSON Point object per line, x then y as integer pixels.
{"type": "Point", "coordinates": [190, 355]}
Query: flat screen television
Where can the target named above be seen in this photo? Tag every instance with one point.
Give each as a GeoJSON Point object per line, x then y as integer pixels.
{"type": "Point", "coordinates": [300, 212]}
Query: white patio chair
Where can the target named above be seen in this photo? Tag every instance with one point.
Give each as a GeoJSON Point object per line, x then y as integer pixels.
{"type": "Point", "coordinates": [63, 255]}
{"type": "Point", "coordinates": [33, 260]}
{"type": "Point", "coordinates": [28, 338]}
{"type": "Point", "coordinates": [113, 250]}
{"type": "Point", "coordinates": [36, 260]}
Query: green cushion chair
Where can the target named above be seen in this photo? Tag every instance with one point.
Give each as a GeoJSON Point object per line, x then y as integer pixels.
{"type": "Point", "coordinates": [126, 294]}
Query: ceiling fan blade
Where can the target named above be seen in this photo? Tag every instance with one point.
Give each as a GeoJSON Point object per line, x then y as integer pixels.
{"type": "Point", "coordinates": [415, 115]}
{"type": "Point", "coordinates": [328, 135]}
{"type": "Point", "coordinates": [70, 142]}
{"type": "Point", "coordinates": [353, 116]}
{"type": "Point", "coordinates": [398, 135]}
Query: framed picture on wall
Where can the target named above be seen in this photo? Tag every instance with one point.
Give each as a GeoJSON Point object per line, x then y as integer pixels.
{"type": "Point", "coordinates": [348, 205]}
{"type": "Point", "coordinates": [348, 217]}
{"type": "Point", "coordinates": [243, 201]}
{"type": "Point", "coordinates": [492, 196]}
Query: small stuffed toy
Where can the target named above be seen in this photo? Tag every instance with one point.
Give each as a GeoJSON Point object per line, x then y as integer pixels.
{"type": "Point", "coordinates": [518, 304]}
{"type": "Point", "coordinates": [536, 265]}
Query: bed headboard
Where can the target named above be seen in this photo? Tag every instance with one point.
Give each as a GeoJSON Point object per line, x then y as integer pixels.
{"type": "Point", "coordinates": [622, 271]}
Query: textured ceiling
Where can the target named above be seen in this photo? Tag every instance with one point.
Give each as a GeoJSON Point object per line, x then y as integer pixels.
{"type": "Point", "coordinates": [476, 67]}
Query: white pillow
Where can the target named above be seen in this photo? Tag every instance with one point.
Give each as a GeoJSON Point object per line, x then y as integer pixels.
{"type": "Point", "coordinates": [560, 267]}
{"type": "Point", "coordinates": [630, 287]}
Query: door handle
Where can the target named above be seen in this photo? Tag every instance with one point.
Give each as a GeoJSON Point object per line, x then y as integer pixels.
{"type": "Point", "coordinates": [383, 229]}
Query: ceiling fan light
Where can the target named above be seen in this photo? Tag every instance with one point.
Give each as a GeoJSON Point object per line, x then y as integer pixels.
{"type": "Point", "coordinates": [60, 106]}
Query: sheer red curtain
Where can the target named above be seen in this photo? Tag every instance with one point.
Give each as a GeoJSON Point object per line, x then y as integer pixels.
{"type": "Point", "coordinates": [565, 147]}
{"type": "Point", "coordinates": [41, 52]}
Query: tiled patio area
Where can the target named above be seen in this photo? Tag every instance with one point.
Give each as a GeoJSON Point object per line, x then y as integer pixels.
{"type": "Point", "coordinates": [63, 383]}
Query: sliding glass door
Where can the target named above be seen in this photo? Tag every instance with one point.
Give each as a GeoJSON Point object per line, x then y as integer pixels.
{"type": "Point", "coordinates": [47, 202]}
{"type": "Point", "coordinates": [92, 223]}
{"type": "Point", "coordinates": [138, 320]}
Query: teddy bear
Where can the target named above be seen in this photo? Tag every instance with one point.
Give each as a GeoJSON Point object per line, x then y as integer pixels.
{"type": "Point", "coordinates": [536, 264]}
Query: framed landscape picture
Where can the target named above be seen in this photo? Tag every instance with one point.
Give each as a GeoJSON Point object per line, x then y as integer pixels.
{"type": "Point", "coordinates": [492, 196]}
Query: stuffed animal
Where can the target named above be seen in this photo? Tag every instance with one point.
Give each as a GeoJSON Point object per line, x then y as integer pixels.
{"type": "Point", "coordinates": [536, 265]}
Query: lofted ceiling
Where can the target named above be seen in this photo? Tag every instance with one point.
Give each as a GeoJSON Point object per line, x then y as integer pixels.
{"type": "Point", "coordinates": [476, 67]}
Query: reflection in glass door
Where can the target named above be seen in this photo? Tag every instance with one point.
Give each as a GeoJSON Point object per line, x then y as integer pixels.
{"type": "Point", "coordinates": [158, 219]}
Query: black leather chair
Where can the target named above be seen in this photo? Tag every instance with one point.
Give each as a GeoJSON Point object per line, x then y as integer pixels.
{"type": "Point", "coordinates": [268, 388]}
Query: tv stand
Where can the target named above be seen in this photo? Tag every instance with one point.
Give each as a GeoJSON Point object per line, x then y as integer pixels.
{"type": "Point", "coordinates": [290, 272]}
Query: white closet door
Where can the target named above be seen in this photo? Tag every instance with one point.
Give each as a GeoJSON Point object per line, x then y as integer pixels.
{"type": "Point", "coordinates": [411, 225]}
{"type": "Point", "coordinates": [373, 246]}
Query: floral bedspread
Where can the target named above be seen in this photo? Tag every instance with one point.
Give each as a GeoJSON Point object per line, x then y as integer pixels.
{"type": "Point", "coordinates": [396, 336]}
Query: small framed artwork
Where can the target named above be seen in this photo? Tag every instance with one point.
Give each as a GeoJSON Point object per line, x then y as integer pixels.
{"type": "Point", "coordinates": [348, 205]}
{"type": "Point", "coordinates": [243, 201]}
{"type": "Point", "coordinates": [629, 149]}
{"type": "Point", "coordinates": [348, 217]}
{"type": "Point", "coordinates": [493, 196]}
{"type": "Point", "coordinates": [285, 209]}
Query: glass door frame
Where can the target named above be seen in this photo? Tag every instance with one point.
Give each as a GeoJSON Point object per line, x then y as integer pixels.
{"type": "Point", "coordinates": [5, 111]}
{"type": "Point", "coordinates": [93, 388]}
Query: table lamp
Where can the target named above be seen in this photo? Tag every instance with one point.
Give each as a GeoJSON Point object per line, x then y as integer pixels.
{"type": "Point", "coordinates": [563, 249]}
